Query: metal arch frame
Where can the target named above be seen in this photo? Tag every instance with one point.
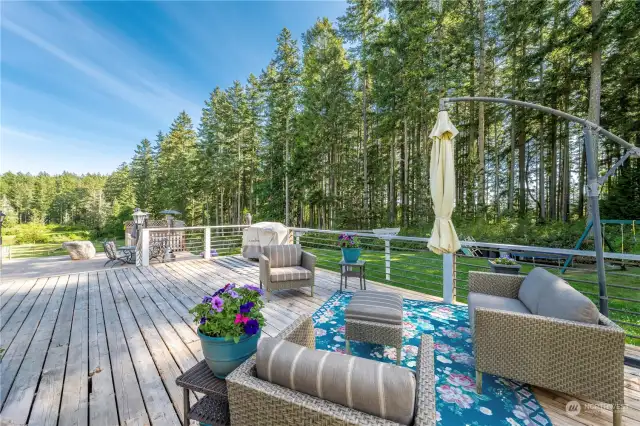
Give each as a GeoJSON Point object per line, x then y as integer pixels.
{"type": "Point", "coordinates": [593, 182]}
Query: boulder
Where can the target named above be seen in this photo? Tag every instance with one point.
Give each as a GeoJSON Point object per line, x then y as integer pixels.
{"type": "Point", "coordinates": [79, 250]}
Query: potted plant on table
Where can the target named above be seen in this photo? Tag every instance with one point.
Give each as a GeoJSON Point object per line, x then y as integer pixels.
{"type": "Point", "coordinates": [504, 265]}
{"type": "Point", "coordinates": [229, 326]}
{"type": "Point", "coordinates": [350, 244]}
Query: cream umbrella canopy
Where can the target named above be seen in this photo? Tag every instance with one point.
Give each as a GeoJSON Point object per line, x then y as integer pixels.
{"type": "Point", "coordinates": [443, 186]}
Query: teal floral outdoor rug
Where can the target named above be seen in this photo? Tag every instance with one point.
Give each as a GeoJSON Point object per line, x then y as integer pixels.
{"type": "Point", "coordinates": [503, 402]}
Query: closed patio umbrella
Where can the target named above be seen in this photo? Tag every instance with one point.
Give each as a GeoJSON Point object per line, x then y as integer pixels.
{"type": "Point", "coordinates": [443, 186]}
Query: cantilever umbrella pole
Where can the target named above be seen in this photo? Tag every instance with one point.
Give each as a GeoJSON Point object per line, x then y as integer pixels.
{"type": "Point", "coordinates": [582, 121]}
{"type": "Point", "coordinates": [593, 187]}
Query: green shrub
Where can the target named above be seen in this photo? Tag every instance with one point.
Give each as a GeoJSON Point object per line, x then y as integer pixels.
{"type": "Point", "coordinates": [31, 233]}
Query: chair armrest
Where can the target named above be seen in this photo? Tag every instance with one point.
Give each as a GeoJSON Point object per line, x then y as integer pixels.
{"type": "Point", "coordinates": [502, 285]}
{"type": "Point", "coordinates": [425, 384]}
{"type": "Point", "coordinates": [308, 261]}
{"type": "Point", "coordinates": [265, 269]}
{"type": "Point", "coordinates": [300, 332]}
{"type": "Point", "coordinates": [577, 358]}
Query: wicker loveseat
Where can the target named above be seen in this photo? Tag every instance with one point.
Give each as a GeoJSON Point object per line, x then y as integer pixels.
{"type": "Point", "coordinates": [253, 401]}
{"type": "Point", "coordinates": [284, 267]}
{"type": "Point", "coordinates": [576, 350]}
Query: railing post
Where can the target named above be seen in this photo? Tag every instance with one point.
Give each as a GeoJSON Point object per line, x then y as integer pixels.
{"type": "Point", "coordinates": [448, 278]}
{"type": "Point", "coordinates": [296, 235]}
{"type": "Point", "coordinates": [142, 249]}
{"type": "Point", "coordinates": [387, 258]}
{"type": "Point", "coordinates": [207, 243]}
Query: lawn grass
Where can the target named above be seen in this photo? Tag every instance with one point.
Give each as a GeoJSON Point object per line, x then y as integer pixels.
{"type": "Point", "coordinates": [422, 271]}
{"type": "Point", "coordinates": [51, 249]}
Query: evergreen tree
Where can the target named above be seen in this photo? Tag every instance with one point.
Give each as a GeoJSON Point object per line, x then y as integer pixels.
{"type": "Point", "coordinates": [282, 85]}
{"type": "Point", "coordinates": [142, 170]}
{"type": "Point", "coordinates": [176, 168]}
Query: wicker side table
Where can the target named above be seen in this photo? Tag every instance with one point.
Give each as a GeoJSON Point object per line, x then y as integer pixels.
{"type": "Point", "coordinates": [213, 409]}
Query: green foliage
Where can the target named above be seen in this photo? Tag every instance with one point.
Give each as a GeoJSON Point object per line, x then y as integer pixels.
{"type": "Point", "coordinates": [339, 126]}
{"type": "Point", "coordinates": [176, 166]}
{"type": "Point", "coordinates": [229, 312]}
{"type": "Point", "coordinates": [504, 261]}
{"type": "Point", "coordinates": [142, 175]}
{"type": "Point", "coordinates": [31, 233]}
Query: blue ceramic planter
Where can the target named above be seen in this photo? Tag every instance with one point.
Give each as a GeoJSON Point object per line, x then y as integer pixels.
{"type": "Point", "coordinates": [350, 255]}
{"type": "Point", "coordinates": [223, 356]}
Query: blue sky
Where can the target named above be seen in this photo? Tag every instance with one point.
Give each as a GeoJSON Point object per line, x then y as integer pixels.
{"type": "Point", "coordinates": [83, 83]}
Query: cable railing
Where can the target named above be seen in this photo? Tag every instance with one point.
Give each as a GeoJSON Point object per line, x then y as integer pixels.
{"type": "Point", "coordinates": [189, 242]}
{"type": "Point", "coordinates": [408, 263]}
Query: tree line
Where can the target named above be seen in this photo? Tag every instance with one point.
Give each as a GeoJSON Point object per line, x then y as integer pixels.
{"type": "Point", "coordinates": [334, 131]}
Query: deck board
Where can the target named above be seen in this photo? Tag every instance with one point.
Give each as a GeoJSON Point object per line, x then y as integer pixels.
{"type": "Point", "coordinates": [74, 407]}
{"type": "Point", "coordinates": [129, 400]}
{"type": "Point", "coordinates": [29, 369]}
{"type": "Point", "coordinates": [102, 401]}
{"type": "Point", "coordinates": [47, 401]}
{"type": "Point", "coordinates": [70, 338]}
{"type": "Point", "coordinates": [19, 333]}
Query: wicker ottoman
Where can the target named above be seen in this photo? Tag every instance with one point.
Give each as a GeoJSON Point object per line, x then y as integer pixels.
{"type": "Point", "coordinates": [375, 317]}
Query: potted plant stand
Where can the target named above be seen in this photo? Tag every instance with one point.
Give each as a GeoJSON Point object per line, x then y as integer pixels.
{"type": "Point", "coordinates": [505, 268]}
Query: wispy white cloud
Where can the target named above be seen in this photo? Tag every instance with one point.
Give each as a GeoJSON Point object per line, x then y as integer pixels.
{"type": "Point", "coordinates": [56, 153]}
{"type": "Point", "coordinates": [39, 109]}
{"type": "Point", "coordinates": [113, 64]}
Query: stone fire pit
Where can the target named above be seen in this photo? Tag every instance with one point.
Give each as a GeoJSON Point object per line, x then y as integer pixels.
{"type": "Point", "coordinates": [80, 250]}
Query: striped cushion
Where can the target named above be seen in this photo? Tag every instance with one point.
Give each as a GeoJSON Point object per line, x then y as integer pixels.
{"type": "Point", "coordinates": [284, 255]}
{"type": "Point", "coordinates": [373, 387]}
{"type": "Point", "coordinates": [375, 306]}
{"type": "Point", "coordinates": [290, 273]}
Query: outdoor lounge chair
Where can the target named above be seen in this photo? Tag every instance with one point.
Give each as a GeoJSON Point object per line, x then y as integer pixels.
{"type": "Point", "coordinates": [284, 267]}
{"type": "Point", "coordinates": [256, 401]}
{"type": "Point", "coordinates": [537, 329]}
{"type": "Point", "coordinates": [114, 255]}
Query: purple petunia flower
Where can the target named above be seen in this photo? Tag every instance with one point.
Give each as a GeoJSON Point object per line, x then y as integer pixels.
{"type": "Point", "coordinates": [203, 320]}
{"type": "Point", "coordinates": [233, 294]}
{"type": "Point", "coordinates": [254, 288]}
{"type": "Point", "coordinates": [218, 292]}
{"type": "Point", "coordinates": [216, 303]}
{"type": "Point", "coordinates": [206, 299]}
{"type": "Point", "coordinates": [246, 308]}
{"type": "Point", "coordinates": [251, 327]}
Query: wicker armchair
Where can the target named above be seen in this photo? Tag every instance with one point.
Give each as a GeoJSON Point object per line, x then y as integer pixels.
{"type": "Point", "coordinates": [256, 402]}
{"type": "Point", "coordinates": [294, 274]}
{"type": "Point", "coordinates": [580, 359]}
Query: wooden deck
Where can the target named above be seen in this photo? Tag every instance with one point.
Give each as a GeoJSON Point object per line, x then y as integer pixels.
{"type": "Point", "coordinates": [105, 347]}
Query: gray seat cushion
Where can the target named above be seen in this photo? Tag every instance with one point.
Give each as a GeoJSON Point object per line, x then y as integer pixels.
{"type": "Point", "coordinates": [284, 255]}
{"type": "Point", "coordinates": [373, 387]}
{"type": "Point", "coordinates": [550, 296]}
{"type": "Point", "coordinates": [481, 300]}
{"type": "Point", "coordinates": [289, 273]}
{"type": "Point", "coordinates": [375, 306]}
